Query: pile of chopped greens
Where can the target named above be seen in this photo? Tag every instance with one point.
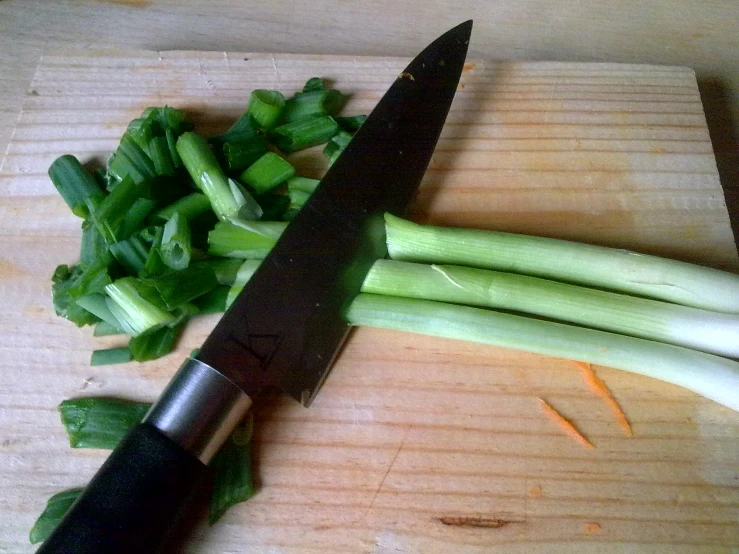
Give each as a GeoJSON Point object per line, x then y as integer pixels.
{"type": "Point", "coordinates": [167, 226]}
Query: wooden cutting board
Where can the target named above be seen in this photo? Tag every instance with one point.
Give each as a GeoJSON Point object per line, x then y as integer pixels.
{"type": "Point", "coordinates": [415, 444]}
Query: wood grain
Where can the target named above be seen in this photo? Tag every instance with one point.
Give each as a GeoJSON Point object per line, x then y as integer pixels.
{"type": "Point", "coordinates": [415, 444]}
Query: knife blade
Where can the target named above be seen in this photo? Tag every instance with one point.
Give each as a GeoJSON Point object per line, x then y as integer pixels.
{"type": "Point", "coordinates": [286, 326]}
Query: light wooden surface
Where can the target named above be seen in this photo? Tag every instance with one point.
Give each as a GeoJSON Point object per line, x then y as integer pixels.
{"type": "Point", "coordinates": [697, 34]}
{"type": "Point", "coordinates": [408, 431]}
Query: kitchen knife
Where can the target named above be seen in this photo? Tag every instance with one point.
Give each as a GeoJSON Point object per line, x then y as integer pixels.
{"type": "Point", "coordinates": [284, 329]}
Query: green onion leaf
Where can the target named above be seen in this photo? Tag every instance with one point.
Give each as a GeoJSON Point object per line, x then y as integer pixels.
{"type": "Point", "coordinates": [314, 103]}
{"type": "Point", "coordinates": [336, 146]}
{"type": "Point", "coordinates": [56, 507]}
{"type": "Point", "coordinates": [106, 329]}
{"type": "Point", "coordinates": [110, 214]}
{"type": "Point", "coordinates": [64, 279]}
{"type": "Point", "coordinates": [189, 207]}
{"type": "Point", "coordinates": [131, 161]}
{"type": "Point", "coordinates": [304, 133]}
{"type": "Point", "coordinates": [175, 247]}
{"type": "Point", "coordinates": [314, 83]}
{"type": "Point", "coordinates": [75, 184]}
{"type": "Point", "coordinates": [267, 172]}
{"type": "Point", "coordinates": [135, 217]}
{"type": "Point", "coordinates": [252, 241]}
{"type": "Point", "coordinates": [154, 265]}
{"type": "Point", "coordinates": [246, 271]}
{"type": "Point", "coordinates": [212, 302]}
{"type": "Point", "coordinates": [242, 129]}
{"type": "Point", "coordinates": [97, 304]}
{"type": "Point", "coordinates": [298, 198]}
{"type": "Point", "coordinates": [226, 197]}
{"type": "Point", "coordinates": [176, 288]}
{"type": "Point", "coordinates": [351, 123]}
{"type": "Point", "coordinates": [234, 480]}
{"type": "Point", "coordinates": [93, 248]}
{"type": "Point", "coordinates": [265, 108]}
{"type": "Point", "coordinates": [155, 343]}
{"type": "Point", "coordinates": [161, 157]}
{"type": "Point", "coordinates": [99, 422]}
{"type": "Point", "coordinates": [111, 356]}
{"type": "Point", "coordinates": [238, 155]}
{"type": "Point", "coordinates": [273, 206]}
{"type": "Point", "coordinates": [225, 269]}
{"type": "Point", "coordinates": [135, 305]}
{"type": "Point", "coordinates": [302, 183]}
{"type": "Point", "coordinates": [92, 279]}
{"type": "Point", "coordinates": [131, 253]}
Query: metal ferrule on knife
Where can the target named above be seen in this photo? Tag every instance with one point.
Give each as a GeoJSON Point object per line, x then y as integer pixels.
{"type": "Point", "coordinates": [199, 409]}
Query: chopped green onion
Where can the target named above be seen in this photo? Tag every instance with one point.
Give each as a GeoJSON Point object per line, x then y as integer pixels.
{"type": "Point", "coordinates": [241, 129]}
{"type": "Point", "coordinates": [97, 304]}
{"type": "Point", "coordinates": [336, 146]}
{"type": "Point", "coordinates": [75, 184]}
{"type": "Point", "coordinates": [175, 248]}
{"type": "Point", "coordinates": [246, 271]}
{"type": "Point", "coordinates": [234, 481]}
{"type": "Point", "coordinates": [314, 83]}
{"type": "Point", "coordinates": [135, 217]}
{"type": "Point", "coordinates": [298, 198]}
{"type": "Point", "coordinates": [273, 205]}
{"type": "Point", "coordinates": [254, 241]}
{"type": "Point", "coordinates": [225, 269]}
{"type": "Point", "coordinates": [226, 197]}
{"type": "Point", "coordinates": [56, 507]}
{"type": "Point", "coordinates": [154, 343]}
{"type": "Point", "coordinates": [131, 253]}
{"type": "Point", "coordinates": [301, 134]}
{"type": "Point", "coordinates": [133, 303]}
{"type": "Point", "coordinates": [212, 302]}
{"type": "Point", "coordinates": [189, 207]}
{"type": "Point", "coordinates": [713, 332]}
{"type": "Point", "coordinates": [711, 376]}
{"type": "Point", "coordinates": [63, 280]}
{"type": "Point", "coordinates": [93, 248]}
{"type": "Point", "coordinates": [92, 279]}
{"type": "Point", "coordinates": [172, 146]}
{"type": "Point", "coordinates": [265, 107]}
{"type": "Point", "coordinates": [111, 356]}
{"type": "Point", "coordinates": [267, 172]}
{"type": "Point", "coordinates": [302, 183]}
{"type": "Point", "coordinates": [239, 155]}
{"type": "Point", "coordinates": [607, 268]}
{"type": "Point", "coordinates": [131, 161]}
{"type": "Point", "coordinates": [160, 156]}
{"type": "Point", "coordinates": [306, 105]}
{"type": "Point", "coordinates": [99, 422]}
{"type": "Point", "coordinates": [176, 288]}
{"type": "Point", "coordinates": [110, 214]}
{"type": "Point", "coordinates": [351, 123]}
{"type": "Point", "coordinates": [106, 329]}
{"type": "Point", "coordinates": [154, 265]}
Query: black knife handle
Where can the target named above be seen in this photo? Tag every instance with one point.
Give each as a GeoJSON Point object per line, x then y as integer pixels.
{"type": "Point", "coordinates": [138, 495]}
{"type": "Point", "coordinates": [133, 501]}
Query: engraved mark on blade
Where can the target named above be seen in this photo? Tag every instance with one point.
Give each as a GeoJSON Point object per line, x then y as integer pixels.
{"type": "Point", "coordinates": [260, 347]}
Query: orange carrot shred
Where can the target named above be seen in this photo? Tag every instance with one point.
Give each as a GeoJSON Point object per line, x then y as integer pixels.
{"type": "Point", "coordinates": [566, 426]}
{"type": "Point", "coordinates": [599, 388]}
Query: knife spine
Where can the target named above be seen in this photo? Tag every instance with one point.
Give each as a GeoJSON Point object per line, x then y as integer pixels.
{"type": "Point", "coordinates": [199, 409]}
